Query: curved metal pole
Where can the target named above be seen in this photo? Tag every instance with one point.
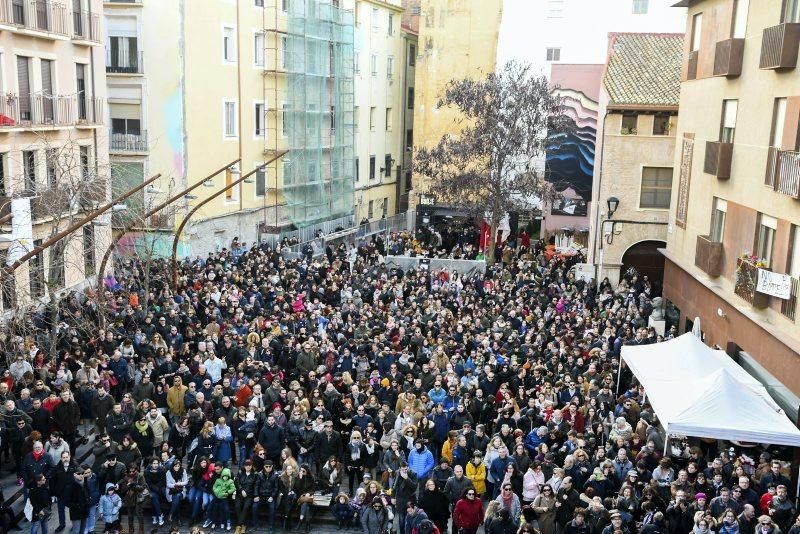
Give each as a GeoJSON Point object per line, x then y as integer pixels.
{"type": "Point", "coordinates": [205, 201]}
{"type": "Point", "coordinates": [129, 227]}
{"type": "Point", "coordinates": [89, 218]}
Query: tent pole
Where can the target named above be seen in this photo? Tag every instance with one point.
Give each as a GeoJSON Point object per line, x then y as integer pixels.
{"type": "Point", "coordinates": [666, 442]}
{"type": "Point", "coordinates": [619, 375]}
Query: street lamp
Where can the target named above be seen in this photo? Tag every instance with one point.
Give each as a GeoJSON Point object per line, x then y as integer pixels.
{"type": "Point", "coordinates": [613, 204]}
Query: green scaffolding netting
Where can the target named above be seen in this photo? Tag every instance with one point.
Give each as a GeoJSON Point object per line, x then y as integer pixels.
{"type": "Point", "coordinates": [318, 115]}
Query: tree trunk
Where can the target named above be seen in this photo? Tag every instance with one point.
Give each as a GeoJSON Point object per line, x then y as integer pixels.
{"type": "Point", "coordinates": [493, 224]}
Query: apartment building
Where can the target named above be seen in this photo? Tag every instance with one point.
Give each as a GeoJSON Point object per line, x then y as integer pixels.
{"type": "Point", "coordinates": [53, 153]}
{"type": "Point", "coordinates": [633, 176]}
{"type": "Point", "coordinates": [456, 40]}
{"type": "Point", "coordinates": [196, 85]}
{"type": "Point", "coordinates": [733, 242]}
{"type": "Point", "coordinates": [380, 59]}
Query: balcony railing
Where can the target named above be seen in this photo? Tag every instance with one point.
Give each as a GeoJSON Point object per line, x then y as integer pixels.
{"type": "Point", "coordinates": [728, 58]}
{"type": "Point", "coordinates": [708, 256]}
{"type": "Point", "coordinates": [32, 111]}
{"type": "Point", "coordinates": [783, 171]}
{"type": "Point", "coordinates": [39, 15]}
{"type": "Point", "coordinates": [745, 284]}
{"type": "Point", "coordinates": [89, 111]}
{"type": "Point", "coordinates": [779, 46]}
{"type": "Point", "coordinates": [128, 142]}
{"type": "Point", "coordinates": [123, 1]}
{"type": "Point", "coordinates": [132, 63]}
{"type": "Point", "coordinates": [771, 176]}
{"type": "Point", "coordinates": [789, 306]}
{"type": "Point", "coordinates": [718, 159]}
{"type": "Point", "coordinates": [85, 26]}
{"type": "Point", "coordinates": [691, 71]}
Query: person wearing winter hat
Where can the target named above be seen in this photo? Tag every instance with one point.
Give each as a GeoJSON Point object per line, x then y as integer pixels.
{"type": "Point", "coordinates": [110, 507]}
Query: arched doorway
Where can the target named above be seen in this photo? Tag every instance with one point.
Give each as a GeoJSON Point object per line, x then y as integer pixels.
{"type": "Point", "coordinates": [646, 259]}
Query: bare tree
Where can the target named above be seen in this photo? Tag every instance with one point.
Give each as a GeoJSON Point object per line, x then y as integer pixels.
{"type": "Point", "coordinates": [489, 167]}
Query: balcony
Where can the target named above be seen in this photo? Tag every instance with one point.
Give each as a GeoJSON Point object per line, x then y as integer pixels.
{"type": "Point", "coordinates": [691, 71]}
{"type": "Point", "coordinates": [779, 46]}
{"type": "Point", "coordinates": [132, 63]}
{"type": "Point", "coordinates": [783, 171]}
{"type": "Point", "coordinates": [89, 111]}
{"type": "Point", "coordinates": [128, 142]}
{"type": "Point", "coordinates": [708, 256]}
{"type": "Point", "coordinates": [789, 306]}
{"type": "Point", "coordinates": [718, 159]}
{"type": "Point", "coordinates": [86, 27]}
{"type": "Point", "coordinates": [35, 15]}
{"type": "Point", "coordinates": [34, 111]}
{"type": "Point", "coordinates": [728, 58]}
{"type": "Point", "coordinates": [745, 284]}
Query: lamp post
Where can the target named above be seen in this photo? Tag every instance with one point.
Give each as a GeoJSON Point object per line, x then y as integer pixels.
{"type": "Point", "coordinates": [205, 201]}
{"type": "Point", "coordinates": [89, 218]}
{"type": "Point", "coordinates": [150, 213]}
{"type": "Point", "coordinates": [612, 203]}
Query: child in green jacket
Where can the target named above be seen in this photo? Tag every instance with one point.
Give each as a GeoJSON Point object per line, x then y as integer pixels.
{"type": "Point", "coordinates": [219, 511]}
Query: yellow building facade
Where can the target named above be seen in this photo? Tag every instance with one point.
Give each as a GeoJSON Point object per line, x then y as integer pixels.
{"type": "Point", "coordinates": [456, 40]}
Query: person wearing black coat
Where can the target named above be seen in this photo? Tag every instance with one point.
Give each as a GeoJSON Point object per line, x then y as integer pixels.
{"type": "Point", "coordinates": [156, 477]}
{"type": "Point", "coordinates": [67, 417]}
{"type": "Point", "coordinates": [435, 504]}
{"type": "Point", "coordinates": [501, 523]}
{"type": "Point", "coordinates": [329, 443]}
{"type": "Point", "coordinates": [78, 500]}
{"type": "Point", "coordinates": [566, 501]}
{"type": "Point", "coordinates": [39, 496]}
{"type": "Point", "coordinates": [245, 482]}
{"type": "Point", "coordinates": [61, 479]}
{"type": "Point", "coordinates": [267, 490]}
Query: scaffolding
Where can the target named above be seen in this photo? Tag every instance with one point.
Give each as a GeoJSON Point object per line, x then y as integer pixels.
{"type": "Point", "coordinates": [313, 112]}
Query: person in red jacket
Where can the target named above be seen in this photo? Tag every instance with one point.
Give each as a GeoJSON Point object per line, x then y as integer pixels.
{"type": "Point", "coordinates": [468, 513]}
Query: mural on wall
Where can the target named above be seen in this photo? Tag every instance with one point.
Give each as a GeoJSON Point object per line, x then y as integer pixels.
{"type": "Point", "coordinates": [571, 165]}
{"type": "Point", "coordinates": [172, 111]}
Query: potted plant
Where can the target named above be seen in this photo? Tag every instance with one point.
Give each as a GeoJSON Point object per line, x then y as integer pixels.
{"type": "Point", "coordinates": [746, 279]}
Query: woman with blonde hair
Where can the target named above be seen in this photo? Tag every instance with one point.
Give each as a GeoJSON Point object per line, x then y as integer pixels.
{"type": "Point", "coordinates": [288, 458]}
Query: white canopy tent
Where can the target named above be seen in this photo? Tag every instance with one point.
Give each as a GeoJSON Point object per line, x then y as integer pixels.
{"type": "Point", "coordinates": [699, 391]}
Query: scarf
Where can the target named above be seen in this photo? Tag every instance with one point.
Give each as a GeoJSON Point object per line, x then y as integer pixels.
{"type": "Point", "coordinates": [508, 501]}
{"type": "Point", "coordinates": [182, 430]}
{"type": "Point", "coordinates": [141, 427]}
{"type": "Point", "coordinates": [37, 455]}
{"type": "Point", "coordinates": [355, 451]}
{"type": "Point", "coordinates": [370, 449]}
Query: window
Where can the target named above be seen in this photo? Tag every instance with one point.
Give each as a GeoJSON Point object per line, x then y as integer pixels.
{"type": "Point", "coordinates": [640, 7]}
{"type": "Point", "coordinates": [233, 192]}
{"type": "Point", "coordinates": [388, 119]}
{"type": "Point", "coordinates": [230, 119]}
{"type": "Point", "coordinates": [553, 54]}
{"type": "Point", "coordinates": [357, 62]}
{"type": "Point", "coordinates": [356, 169]}
{"type": "Point", "coordinates": [390, 26]}
{"type": "Point", "coordinates": [697, 28]}
{"type": "Point", "coordinates": [778, 120]}
{"type": "Point", "coordinates": [373, 64]}
{"type": "Point", "coordinates": [36, 276]}
{"type": "Point", "coordinates": [372, 167]}
{"type": "Point", "coordinates": [372, 119]}
{"type": "Point", "coordinates": [630, 122]}
{"type": "Point", "coordinates": [124, 126]}
{"type": "Point", "coordinates": [2, 178]}
{"type": "Point", "coordinates": [794, 262]}
{"type": "Point", "coordinates": [24, 87]}
{"type": "Point", "coordinates": [739, 26]}
{"type": "Point", "coordinates": [389, 67]}
{"type": "Point", "coordinates": [88, 250]}
{"type": "Point", "coordinates": [228, 45]}
{"type": "Point", "coordinates": [412, 55]}
{"type": "Point", "coordinates": [51, 162]}
{"type": "Point", "coordinates": [385, 207]}
{"type": "Point", "coordinates": [409, 140]}
{"type": "Point", "coordinates": [258, 52]}
{"type": "Point", "coordinates": [728, 127]}
{"type": "Point", "coordinates": [791, 11]}
{"type": "Point", "coordinates": [718, 214]}
{"type": "Point", "coordinates": [258, 3]}
{"type": "Point", "coordinates": [374, 19]}
{"type": "Point", "coordinates": [8, 296]}
{"type": "Point", "coordinates": [370, 209]}
{"type": "Point", "coordinates": [80, 86]}
{"type": "Point", "coordinates": [29, 170]}
{"type": "Point", "coordinates": [656, 187]}
{"type": "Point", "coordinates": [387, 165]}
{"type": "Point", "coordinates": [332, 114]}
{"type": "Point", "coordinates": [260, 117]}
{"type": "Point", "coordinates": [287, 172]}
{"type": "Point", "coordinates": [357, 14]}
{"type": "Point", "coordinates": [661, 124]}
{"type": "Point", "coordinates": [84, 162]}
{"type": "Point", "coordinates": [285, 120]}
{"type": "Point", "coordinates": [765, 237]}
{"type": "Point", "coordinates": [410, 101]}
{"type": "Point", "coordinates": [47, 90]}
{"type": "Point", "coordinates": [284, 51]}
{"type": "Point", "coordinates": [123, 54]}
{"type": "Point", "coordinates": [261, 180]}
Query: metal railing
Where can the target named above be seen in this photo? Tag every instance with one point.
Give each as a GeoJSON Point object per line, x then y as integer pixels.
{"type": "Point", "coordinates": [779, 46]}
{"type": "Point", "coordinates": [86, 25]}
{"type": "Point", "coordinates": [32, 110]}
{"type": "Point", "coordinates": [39, 15]}
{"type": "Point", "coordinates": [770, 177]}
{"type": "Point", "coordinates": [89, 110]}
{"type": "Point", "coordinates": [123, 1]}
{"type": "Point", "coordinates": [788, 173]}
{"type": "Point", "coordinates": [132, 63]}
{"type": "Point", "coordinates": [789, 306]}
{"type": "Point", "coordinates": [128, 142]}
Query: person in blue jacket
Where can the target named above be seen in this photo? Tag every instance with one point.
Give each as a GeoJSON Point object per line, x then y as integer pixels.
{"type": "Point", "coordinates": [498, 468]}
{"type": "Point", "coordinates": [420, 462]}
{"type": "Point", "coordinates": [535, 437]}
{"type": "Point", "coordinates": [441, 426]}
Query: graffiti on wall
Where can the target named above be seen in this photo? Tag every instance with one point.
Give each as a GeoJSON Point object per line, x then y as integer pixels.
{"type": "Point", "coordinates": [570, 156]}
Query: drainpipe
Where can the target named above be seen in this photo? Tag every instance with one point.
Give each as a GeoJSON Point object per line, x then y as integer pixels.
{"type": "Point", "coordinates": [597, 226]}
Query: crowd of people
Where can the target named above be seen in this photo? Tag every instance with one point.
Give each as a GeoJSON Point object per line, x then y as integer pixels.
{"type": "Point", "coordinates": [265, 391]}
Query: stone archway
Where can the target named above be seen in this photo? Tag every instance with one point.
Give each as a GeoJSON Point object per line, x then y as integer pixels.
{"type": "Point", "coordinates": [645, 258]}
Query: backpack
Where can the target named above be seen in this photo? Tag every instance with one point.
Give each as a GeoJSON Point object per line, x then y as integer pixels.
{"type": "Point", "coordinates": [426, 527]}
